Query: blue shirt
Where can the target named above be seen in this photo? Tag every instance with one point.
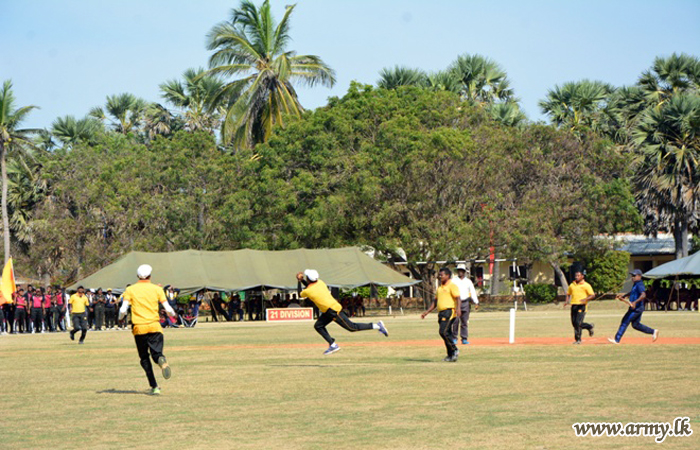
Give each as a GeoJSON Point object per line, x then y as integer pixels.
{"type": "Point", "coordinates": [635, 293]}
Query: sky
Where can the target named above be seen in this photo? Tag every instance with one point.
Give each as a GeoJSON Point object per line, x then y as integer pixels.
{"type": "Point", "coordinates": [67, 56]}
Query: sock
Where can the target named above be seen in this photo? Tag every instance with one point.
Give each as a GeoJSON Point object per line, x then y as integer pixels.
{"type": "Point", "coordinates": [375, 326]}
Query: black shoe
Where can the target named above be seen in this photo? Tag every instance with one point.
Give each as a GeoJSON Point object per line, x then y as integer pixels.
{"type": "Point", "coordinates": [590, 330]}
{"type": "Point", "coordinates": [81, 342]}
{"type": "Point", "coordinates": [72, 336]}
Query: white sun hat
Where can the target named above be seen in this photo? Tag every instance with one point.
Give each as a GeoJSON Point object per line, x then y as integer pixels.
{"type": "Point", "coordinates": [311, 274]}
{"type": "Point", "coordinates": [144, 271]}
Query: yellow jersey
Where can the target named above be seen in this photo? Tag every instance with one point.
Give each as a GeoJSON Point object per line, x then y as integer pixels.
{"type": "Point", "coordinates": [144, 298]}
{"type": "Point", "coordinates": [446, 296]}
{"type": "Point", "coordinates": [318, 293]}
{"type": "Point", "coordinates": [579, 292]}
{"type": "Point", "coordinates": [78, 303]}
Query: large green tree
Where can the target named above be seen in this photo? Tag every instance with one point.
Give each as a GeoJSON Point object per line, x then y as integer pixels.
{"type": "Point", "coordinates": [12, 139]}
{"type": "Point", "coordinates": [253, 46]}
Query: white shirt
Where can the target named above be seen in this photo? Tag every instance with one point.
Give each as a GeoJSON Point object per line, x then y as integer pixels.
{"type": "Point", "coordinates": [466, 289]}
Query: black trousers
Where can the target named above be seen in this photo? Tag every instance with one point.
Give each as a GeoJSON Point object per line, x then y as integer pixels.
{"type": "Point", "coordinates": [21, 320]}
{"type": "Point", "coordinates": [37, 319]}
{"type": "Point", "coordinates": [99, 316]}
{"type": "Point", "coordinates": [341, 319]}
{"type": "Point", "coordinates": [8, 313]}
{"type": "Point", "coordinates": [578, 313]}
{"type": "Point", "coordinates": [110, 317]}
{"type": "Point", "coordinates": [446, 321]}
{"type": "Point", "coordinates": [152, 342]}
{"type": "Point", "coordinates": [80, 323]}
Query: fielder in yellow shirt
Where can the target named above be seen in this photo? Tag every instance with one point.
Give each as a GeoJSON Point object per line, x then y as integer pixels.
{"type": "Point", "coordinates": [331, 311]}
{"type": "Point", "coordinates": [578, 295]}
{"type": "Point", "coordinates": [449, 305]}
{"type": "Point", "coordinates": [78, 305]}
{"type": "Point", "coordinates": [144, 298]}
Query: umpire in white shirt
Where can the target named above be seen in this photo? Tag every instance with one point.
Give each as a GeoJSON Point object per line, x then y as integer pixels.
{"type": "Point", "coordinates": [468, 295]}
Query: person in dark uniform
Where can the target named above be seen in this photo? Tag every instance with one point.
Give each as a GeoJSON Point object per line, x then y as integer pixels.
{"type": "Point", "coordinates": [636, 308]}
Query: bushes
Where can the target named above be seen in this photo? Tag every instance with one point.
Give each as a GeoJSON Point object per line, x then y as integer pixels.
{"type": "Point", "coordinates": [540, 292]}
{"type": "Point", "coordinates": [608, 272]}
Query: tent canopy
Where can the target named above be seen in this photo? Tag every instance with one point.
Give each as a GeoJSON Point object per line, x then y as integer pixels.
{"type": "Point", "coordinates": [239, 270]}
{"type": "Point", "coordinates": [683, 267]}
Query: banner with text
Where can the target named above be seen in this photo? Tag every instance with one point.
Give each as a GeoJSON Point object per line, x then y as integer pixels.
{"type": "Point", "coordinates": [289, 314]}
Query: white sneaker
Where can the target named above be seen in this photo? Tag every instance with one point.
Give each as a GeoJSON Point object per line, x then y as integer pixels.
{"type": "Point", "coordinates": [655, 336]}
{"type": "Point", "coordinates": [612, 341]}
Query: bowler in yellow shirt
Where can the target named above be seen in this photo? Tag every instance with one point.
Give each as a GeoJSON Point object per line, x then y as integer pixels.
{"type": "Point", "coordinates": [144, 298]}
{"type": "Point", "coordinates": [579, 294]}
{"type": "Point", "coordinates": [331, 311]}
{"type": "Point", "coordinates": [449, 305]}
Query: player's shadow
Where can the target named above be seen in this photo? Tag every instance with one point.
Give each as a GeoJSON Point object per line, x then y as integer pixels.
{"type": "Point", "coordinates": [117, 391]}
{"type": "Point", "coordinates": [419, 360]}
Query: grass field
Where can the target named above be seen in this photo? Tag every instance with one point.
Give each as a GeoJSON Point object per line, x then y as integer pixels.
{"type": "Point", "coordinates": [258, 385]}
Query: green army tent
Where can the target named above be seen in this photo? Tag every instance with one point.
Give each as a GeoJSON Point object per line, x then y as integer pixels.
{"type": "Point", "coordinates": [192, 270]}
{"type": "Point", "coordinates": [683, 267]}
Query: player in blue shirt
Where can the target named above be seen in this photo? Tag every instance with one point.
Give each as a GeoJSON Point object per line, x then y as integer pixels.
{"type": "Point", "coordinates": [634, 313]}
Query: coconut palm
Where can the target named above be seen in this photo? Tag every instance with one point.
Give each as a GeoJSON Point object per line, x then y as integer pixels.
{"type": "Point", "coordinates": [392, 78]}
{"type": "Point", "coordinates": [668, 166]}
{"type": "Point", "coordinates": [12, 139]}
{"type": "Point", "coordinates": [70, 131]}
{"type": "Point", "coordinates": [482, 80]}
{"type": "Point", "coordinates": [125, 110]}
{"type": "Point", "coordinates": [252, 45]}
{"type": "Point", "coordinates": [198, 97]}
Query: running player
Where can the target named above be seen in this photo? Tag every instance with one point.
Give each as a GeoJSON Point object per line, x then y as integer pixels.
{"type": "Point", "coordinates": [578, 295]}
{"type": "Point", "coordinates": [331, 311]}
{"type": "Point", "coordinates": [78, 303]}
{"type": "Point", "coordinates": [636, 308]}
{"type": "Point", "coordinates": [144, 298]}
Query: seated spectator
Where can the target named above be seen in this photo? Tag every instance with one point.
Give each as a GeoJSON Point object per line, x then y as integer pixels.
{"type": "Point", "coordinates": [189, 320]}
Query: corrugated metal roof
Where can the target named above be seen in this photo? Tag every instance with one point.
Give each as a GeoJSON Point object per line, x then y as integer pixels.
{"type": "Point", "coordinates": [648, 246]}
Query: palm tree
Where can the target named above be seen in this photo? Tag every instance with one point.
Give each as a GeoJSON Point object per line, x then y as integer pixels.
{"type": "Point", "coordinates": [252, 45]}
{"type": "Point", "coordinates": [198, 96]}
{"type": "Point", "coordinates": [158, 121]}
{"type": "Point", "coordinates": [12, 138]}
{"type": "Point", "coordinates": [70, 131]}
{"type": "Point", "coordinates": [401, 76]}
{"type": "Point", "coordinates": [26, 188]}
{"type": "Point", "coordinates": [482, 80]}
{"type": "Point", "coordinates": [668, 76]}
{"type": "Point", "coordinates": [126, 111]}
{"type": "Point", "coordinates": [668, 166]}
{"type": "Point", "coordinates": [444, 80]}
{"type": "Point", "coordinates": [580, 105]}
{"type": "Point", "coordinates": [508, 114]}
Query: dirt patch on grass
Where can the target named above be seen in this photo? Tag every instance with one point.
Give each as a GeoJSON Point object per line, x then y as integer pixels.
{"type": "Point", "coordinates": [485, 342]}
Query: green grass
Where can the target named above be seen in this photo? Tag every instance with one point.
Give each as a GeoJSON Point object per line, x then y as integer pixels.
{"type": "Point", "coordinates": [242, 385]}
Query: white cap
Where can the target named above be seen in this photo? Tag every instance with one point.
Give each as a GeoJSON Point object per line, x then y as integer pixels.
{"type": "Point", "coordinates": [462, 267]}
{"type": "Point", "coordinates": [144, 271]}
{"type": "Point", "coordinates": [311, 274]}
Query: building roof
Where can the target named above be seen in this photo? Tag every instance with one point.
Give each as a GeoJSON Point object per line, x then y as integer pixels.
{"type": "Point", "coordinates": [640, 245]}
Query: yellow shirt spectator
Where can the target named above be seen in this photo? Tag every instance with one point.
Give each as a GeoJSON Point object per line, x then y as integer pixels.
{"type": "Point", "coordinates": [144, 298]}
{"type": "Point", "coordinates": [78, 303]}
{"type": "Point", "coordinates": [318, 293]}
{"type": "Point", "coordinates": [446, 296]}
